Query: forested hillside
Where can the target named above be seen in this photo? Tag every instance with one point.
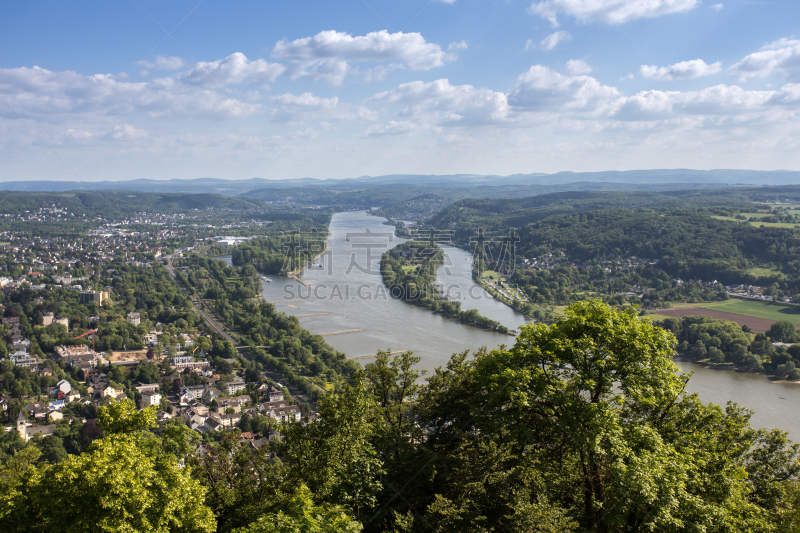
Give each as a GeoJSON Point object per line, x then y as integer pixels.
{"type": "Point", "coordinates": [468, 215]}
{"type": "Point", "coordinates": [112, 204]}
{"type": "Point", "coordinates": [688, 244]}
{"type": "Point", "coordinates": [651, 258]}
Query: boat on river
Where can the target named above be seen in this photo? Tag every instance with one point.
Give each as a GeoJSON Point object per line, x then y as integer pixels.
{"type": "Point", "coordinates": [265, 278]}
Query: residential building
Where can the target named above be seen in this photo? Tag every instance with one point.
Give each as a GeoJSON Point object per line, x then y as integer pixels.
{"type": "Point", "coordinates": [273, 394]}
{"type": "Point", "coordinates": [63, 386]}
{"type": "Point", "coordinates": [233, 387]}
{"type": "Point", "coordinates": [187, 361]}
{"type": "Point", "coordinates": [193, 392]}
{"type": "Point", "coordinates": [97, 297]}
{"type": "Point", "coordinates": [134, 318]}
{"type": "Point", "coordinates": [150, 398]}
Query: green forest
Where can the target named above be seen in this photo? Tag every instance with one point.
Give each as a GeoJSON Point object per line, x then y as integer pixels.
{"type": "Point", "coordinates": [499, 214]}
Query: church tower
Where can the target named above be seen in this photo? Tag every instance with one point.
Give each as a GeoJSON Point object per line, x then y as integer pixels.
{"type": "Point", "coordinates": [22, 426]}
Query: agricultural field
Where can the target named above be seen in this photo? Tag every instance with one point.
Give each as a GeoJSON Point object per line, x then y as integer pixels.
{"type": "Point", "coordinates": [754, 308]}
{"type": "Point", "coordinates": [758, 223]}
{"type": "Point", "coordinates": [758, 316]}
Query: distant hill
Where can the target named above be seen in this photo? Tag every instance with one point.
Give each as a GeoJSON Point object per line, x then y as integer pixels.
{"type": "Point", "coordinates": [499, 214]}
{"type": "Point", "coordinates": [254, 185]}
{"type": "Point", "coordinates": [114, 203]}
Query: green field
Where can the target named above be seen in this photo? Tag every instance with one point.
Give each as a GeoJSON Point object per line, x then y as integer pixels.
{"type": "Point", "coordinates": [767, 310]}
{"type": "Point", "coordinates": [491, 274]}
{"type": "Point", "coordinates": [758, 224]}
{"type": "Point", "coordinates": [759, 271]}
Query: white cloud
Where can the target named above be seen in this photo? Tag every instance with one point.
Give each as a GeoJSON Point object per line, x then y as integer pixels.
{"type": "Point", "coordinates": [713, 104]}
{"type": "Point", "coordinates": [717, 7]}
{"type": "Point", "coordinates": [685, 70]}
{"type": "Point", "coordinates": [461, 45]}
{"type": "Point", "coordinates": [306, 101]}
{"type": "Point", "coordinates": [235, 68]}
{"type": "Point", "coordinates": [328, 54]}
{"type": "Point", "coordinates": [451, 2]}
{"type": "Point", "coordinates": [578, 66]}
{"type": "Point", "coordinates": [541, 89]}
{"type": "Point", "coordinates": [549, 42]}
{"type": "Point", "coordinates": [628, 77]}
{"type": "Point", "coordinates": [53, 95]}
{"type": "Point", "coordinates": [126, 132]}
{"type": "Point", "coordinates": [393, 128]}
{"type": "Point", "coordinates": [163, 63]}
{"type": "Point", "coordinates": [440, 102]}
{"type": "Point", "coordinates": [610, 11]}
{"type": "Point", "coordinates": [781, 57]}
{"type": "Point", "coordinates": [301, 107]}
{"type": "Point", "coordinates": [378, 73]}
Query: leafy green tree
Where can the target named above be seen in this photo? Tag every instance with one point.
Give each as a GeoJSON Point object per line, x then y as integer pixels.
{"type": "Point", "coordinates": [588, 419]}
{"type": "Point", "coordinates": [302, 515]}
{"type": "Point", "coordinates": [335, 457]}
{"type": "Point", "coordinates": [782, 331]}
{"type": "Point", "coordinates": [53, 450]}
{"type": "Point", "coordinates": [147, 372]}
{"type": "Point", "coordinates": [129, 480]}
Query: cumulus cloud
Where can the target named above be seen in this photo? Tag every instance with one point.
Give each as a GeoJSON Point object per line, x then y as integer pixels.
{"type": "Point", "coordinates": [328, 54]}
{"type": "Point", "coordinates": [53, 95]}
{"type": "Point", "coordinates": [610, 11]}
{"type": "Point", "coordinates": [685, 70]}
{"type": "Point", "coordinates": [306, 101]}
{"type": "Point", "coordinates": [781, 57]}
{"type": "Point", "coordinates": [393, 128]}
{"type": "Point", "coordinates": [549, 42]}
{"type": "Point", "coordinates": [541, 89]}
{"type": "Point", "coordinates": [295, 107]}
{"type": "Point", "coordinates": [717, 7]}
{"type": "Point", "coordinates": [441, 102]}
{"type": "Point", "coordinates": [235, 68]}
{"type": "Point", "coordinates": [578, 66]}
{"type": "Point", "coordinates": [713, 104]}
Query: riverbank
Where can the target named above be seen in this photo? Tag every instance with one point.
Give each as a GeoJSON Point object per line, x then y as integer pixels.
{"type": "Point", "coordinates": [294, 274]}
{"type": "Point", "coordinates": [409, 272]}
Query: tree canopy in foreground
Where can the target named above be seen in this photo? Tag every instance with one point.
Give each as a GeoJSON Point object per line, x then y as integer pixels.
{"type": "Point", "coordinates": [583, 425]}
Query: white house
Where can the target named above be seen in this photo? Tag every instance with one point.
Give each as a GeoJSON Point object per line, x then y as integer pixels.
{"type": "Point", "coordinates": [63, 386]}
{"type": "Point", "coordinates": [235, 386]}
{"type": "Point", "coordinates": [150, 397]}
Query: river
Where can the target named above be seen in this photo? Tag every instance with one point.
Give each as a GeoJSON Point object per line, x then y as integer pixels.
{"type": "Point", "coordinates": [348, 289]}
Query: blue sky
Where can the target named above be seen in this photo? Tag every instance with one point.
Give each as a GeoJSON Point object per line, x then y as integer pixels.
{"type": "Point", "coordinates": [123, 90]}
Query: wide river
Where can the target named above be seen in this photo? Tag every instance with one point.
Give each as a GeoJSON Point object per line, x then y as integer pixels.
{"type": "Point", "coordinates": [346, 297]}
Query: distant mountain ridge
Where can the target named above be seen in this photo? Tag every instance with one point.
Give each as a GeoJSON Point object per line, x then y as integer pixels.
{"type": "Point", "coordinates": [244, 187]}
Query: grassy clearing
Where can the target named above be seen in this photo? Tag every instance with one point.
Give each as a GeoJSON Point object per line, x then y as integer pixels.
{"type": "Point", "coordinates": [758, 224]}
{"type": "Point", "coordinates": [759, 271]}
{"type": "Point", "coordinates": [492, 275]}
{"type": "Point", "coordinates": [754, 308]}
{"type": "Point", "coordinates": [774, 225]}
{"type": "Point", "coordinates": [407, 268]}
